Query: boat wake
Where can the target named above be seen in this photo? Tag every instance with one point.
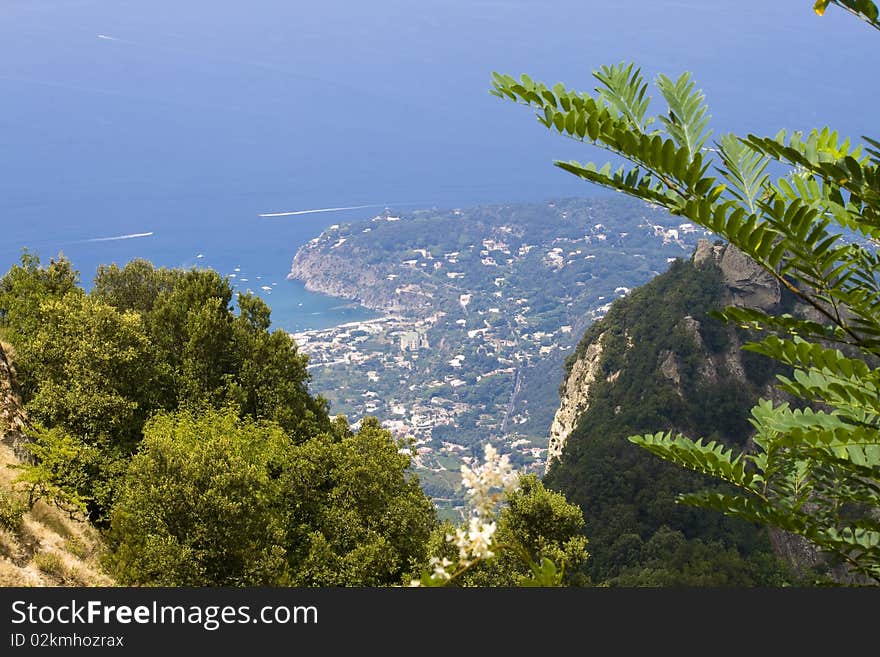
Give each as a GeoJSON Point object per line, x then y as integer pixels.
{"type": "Point", "coordinates": [131, 236]}
{"type": "Point", "coordinates": [298, 212]}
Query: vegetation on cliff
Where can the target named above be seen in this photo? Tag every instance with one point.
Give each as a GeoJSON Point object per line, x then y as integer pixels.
{"type": "Point", "coordinates": [40, 544]}
{"type": "Point", "coordinates": [665, 362]}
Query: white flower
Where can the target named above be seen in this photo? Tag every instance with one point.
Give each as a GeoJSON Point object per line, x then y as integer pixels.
{"type": "Point", "coordinates": [441, 574]}
{"type": "Point", "coordinates": [440, 567]}
{"type": "Point", "coordinates": [480, 536]}
{"type": "Point", "coordinates": [484, 485]}
{"type": "Point", "coordinates": [475, 542]}
{"type": "Point", "coordinates": [463, 544]}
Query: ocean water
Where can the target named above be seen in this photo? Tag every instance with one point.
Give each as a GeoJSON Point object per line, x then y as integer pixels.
{"type": "Point", "coordinates": [172, 126]}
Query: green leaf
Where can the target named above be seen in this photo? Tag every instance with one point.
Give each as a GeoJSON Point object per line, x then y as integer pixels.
{"type": "Point", "coordinates": [744, 168]}
{"type": "Point", "coordinates": [687, 119]}
{"type": "Point", "coordinates": [624, 90]}
{"type": "Point", "coordinates": [712, 459]}
{"type": "Point", "coordinates": [544, 575]}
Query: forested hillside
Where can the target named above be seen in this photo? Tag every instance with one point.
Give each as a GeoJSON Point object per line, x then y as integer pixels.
{"type": "Point", "coordinates": [183, 430]}
{"type": "Point", "coordinates": [658, 360]}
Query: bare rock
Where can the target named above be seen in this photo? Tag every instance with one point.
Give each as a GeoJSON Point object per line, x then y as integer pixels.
{"type": "Point", "coordinates": [575, 398]}
{"type": "Point", "coordinates": [669, 367]}
{"type": "Point", "coordinates": [749, 285]}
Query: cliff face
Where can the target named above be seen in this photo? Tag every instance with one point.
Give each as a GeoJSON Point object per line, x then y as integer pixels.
{"type": "Point", "coordinates": [575, 398]}
{"type": "Point", "coordinates": [324, 265]}
{"type": "Point", "coordinates": [333, 275]}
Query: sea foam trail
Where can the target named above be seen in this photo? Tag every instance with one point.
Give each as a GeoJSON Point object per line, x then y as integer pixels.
{"type": "Point", "coordinates": [296, 212]}
{"type": "Point", "coordinates": [120, 237]}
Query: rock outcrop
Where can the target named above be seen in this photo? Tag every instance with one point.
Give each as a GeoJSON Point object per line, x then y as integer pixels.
{"type": "Point", "coordinates": [333, 275]}
{"type": "Point", "coordinates": [13, 418]}
{"type": "Point", "coordinates": [669, 367]}
{"type": "Point", "coordinates": [575, 398]}
{"type": "Point", "coordinates": [748, 284]}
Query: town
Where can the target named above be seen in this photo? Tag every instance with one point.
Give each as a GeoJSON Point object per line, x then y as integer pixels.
{"type": "Point", "coordinates": [478, 311]}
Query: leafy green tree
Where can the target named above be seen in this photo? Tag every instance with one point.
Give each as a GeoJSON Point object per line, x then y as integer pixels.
{"type": "Point", "coordinates": [200, 504]}
{"type": "Point", "coordinates": [668, 559]}
{"type": "Point", "coordinates": [209, 356]}
{"type": "Point", "coordinates": [28, 284]}
{"type": "Point", "coordinates": [23, 289]}
{"type": "Point", "coordinates": [359, 516]}
{"type": "Point", "coordinates": [212, 499]}
{"type": "Point", "coordinates": [145, 339]}
{"type": "Point", "coordinates": [815, 473]}
{"type": "Point", "coordinates": [191, 324]}
{"type": "Point", "coordinates": [94, 366]}
{"type": "Point", "coordinates": [92, 369]}
{"type": "Point", "coordinates": [78, 475]}
{"type": "Point", "coordinates": [135, 286]}
{"type": "Point", "coordinates": [271, 379]}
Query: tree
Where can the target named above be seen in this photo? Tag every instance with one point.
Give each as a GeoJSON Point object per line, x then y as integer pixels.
{"type": "Point", "coordinates": [815, 471]}
{"type": "Point", "coordinates": [23, 289]}
{"type": "Point", "coordinates": [271, 379]}
{"type": "Point", "coordinates": [94, 366]}
{"type": "Point", "coordinates": [191, 324]}
{"type": "Point", "coordinates": [199, 504]}
{"type": "Point", "coordinates": [212, 499]}
{"type": "Point", "coordinates": [358, 515]}
{"type": "Point", "coordinates": [78, 475]}
{"type": "Point", "coordinates": [93, 388]}
{"type": "Point", "coordinates": [668, 559]}
{"type": "Point", "coordinates": [136, 286]}
{"type": "Point", "coordinates": [208, 355]}
{"type": "Point", "coordinates": [144, 340]}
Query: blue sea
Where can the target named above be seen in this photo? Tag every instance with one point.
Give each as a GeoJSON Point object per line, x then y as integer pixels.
{"type": "Point", "coordinates": [164, 129]}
